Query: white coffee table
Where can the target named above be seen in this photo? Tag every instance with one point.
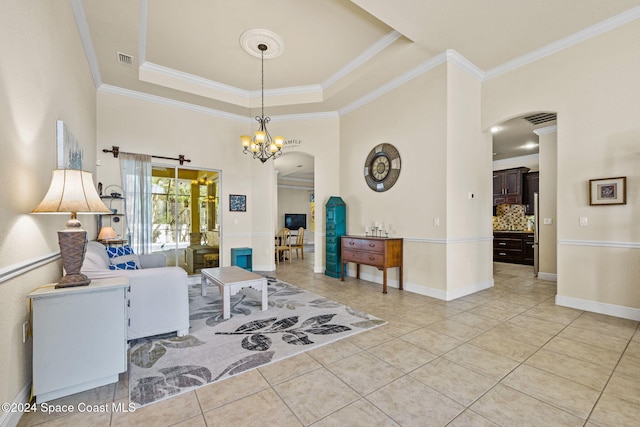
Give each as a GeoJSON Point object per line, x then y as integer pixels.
{"type": "Point", "coordinates": [230, 280]}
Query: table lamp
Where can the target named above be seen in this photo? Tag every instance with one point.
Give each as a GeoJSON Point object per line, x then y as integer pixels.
{"type": "Point", "coordinates": [72, 191]}
{"type": "Point", "coordinates": [107, 233]}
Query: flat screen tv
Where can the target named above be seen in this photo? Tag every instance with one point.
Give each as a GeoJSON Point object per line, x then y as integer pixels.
{"type": "Point", "coordinates": [295, 221]}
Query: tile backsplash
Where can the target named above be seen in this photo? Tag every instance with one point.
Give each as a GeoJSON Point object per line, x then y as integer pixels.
{"type": "Point", "coordinates": [512, 217]}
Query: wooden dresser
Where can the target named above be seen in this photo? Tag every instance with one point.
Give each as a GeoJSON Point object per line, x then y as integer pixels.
{"type": "Point", "coordinates": [379, 252]}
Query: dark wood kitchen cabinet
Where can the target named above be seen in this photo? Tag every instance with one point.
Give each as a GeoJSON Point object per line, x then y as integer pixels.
{"type": "Point", "coordinates": [513, 246]}
{"type": "Point", "coordinates": [508, 185]}
{"type": "Point", "coordinates": [531, 186]}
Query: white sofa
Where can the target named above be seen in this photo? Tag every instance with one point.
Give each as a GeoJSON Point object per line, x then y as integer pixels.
{"type": "Point", "coordinates": [158, 295]}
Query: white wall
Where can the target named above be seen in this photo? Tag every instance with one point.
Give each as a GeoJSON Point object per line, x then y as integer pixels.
{"type": "Point", "coordinates": [593, 87]}
{"type": "Point", "coordinates": [44, 77]}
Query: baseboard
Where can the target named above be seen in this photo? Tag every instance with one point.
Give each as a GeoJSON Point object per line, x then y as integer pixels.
{"type": "Point", "coordinates": [431, 292]}
{"type": "Point", "coordinates": [551, 277]}
{"type": "Point", "coordinates": [11, 419]}
{"type": "Point", "coordinates": [599, 307]}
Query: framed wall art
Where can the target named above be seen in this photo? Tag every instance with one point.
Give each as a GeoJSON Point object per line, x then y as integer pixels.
{"type": "Point", "coordinates": [608, 191]}
{"type": "Point", "coordinates": [68, 151]}
{"type": "Point", "coordinates": [237, 203]}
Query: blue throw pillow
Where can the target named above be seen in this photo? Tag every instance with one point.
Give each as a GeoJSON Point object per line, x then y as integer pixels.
{"type": "Point", "coordinates": [119, 251]}
{"type": "Point", "coordinates": [131, 265]}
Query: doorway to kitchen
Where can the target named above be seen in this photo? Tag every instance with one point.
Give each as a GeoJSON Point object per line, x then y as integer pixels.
{"type": "Point", "coordinates": [186, 216]}
{"type": "Point", "coordinates": [524, 191]}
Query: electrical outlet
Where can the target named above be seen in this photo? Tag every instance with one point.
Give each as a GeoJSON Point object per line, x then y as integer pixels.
{"type": "Point", "coordinates": [26, 331]}
{"type": "Point", "coordinates": [584, 221]}
{"type": "Point", "coordinates": [436, 222]}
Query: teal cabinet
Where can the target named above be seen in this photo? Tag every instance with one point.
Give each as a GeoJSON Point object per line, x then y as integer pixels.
{"type": "Point", "coordinates": [335, 228]}
{"type": "Point", "coordinates": [242, 257]}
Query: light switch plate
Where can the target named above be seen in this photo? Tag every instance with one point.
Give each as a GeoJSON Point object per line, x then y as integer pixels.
{"type": "Point", "coordinates": [548, 221]}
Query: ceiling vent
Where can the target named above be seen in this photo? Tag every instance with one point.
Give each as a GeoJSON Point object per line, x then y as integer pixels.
{"type": "Point", "coordinates": [125, 59]}
{"type": "Point", "coordinates": [536, 119]}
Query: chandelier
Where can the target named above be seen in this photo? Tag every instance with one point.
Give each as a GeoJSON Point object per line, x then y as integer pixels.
{"type": "Point", "coordinates": [262, 145]}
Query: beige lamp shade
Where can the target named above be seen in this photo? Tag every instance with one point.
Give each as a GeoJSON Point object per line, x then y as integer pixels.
{"type": "Point", "coordinates": [71, 191]}
{"type": "Point", "coordinates": [107, 233]}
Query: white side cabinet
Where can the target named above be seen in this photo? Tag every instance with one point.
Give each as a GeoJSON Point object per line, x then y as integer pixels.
{"type": "Point", "coordinates": [79, 337]}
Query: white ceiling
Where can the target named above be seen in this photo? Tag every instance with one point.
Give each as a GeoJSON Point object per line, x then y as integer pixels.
{"type": "Point", "coordinates": [337, 53]}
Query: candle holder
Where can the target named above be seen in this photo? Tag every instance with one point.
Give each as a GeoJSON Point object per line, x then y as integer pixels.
{"type": "Point", "coordinates": [386, 232]}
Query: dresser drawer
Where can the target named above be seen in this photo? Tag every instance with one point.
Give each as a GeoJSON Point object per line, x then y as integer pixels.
{"type": "Point", "coordinates": [507, 255]}
{"type": "Point", "coordinates": [361, 257]}
{"type": "Point", "coordinates": [363, 245]}
{"type": "Point", "coordinates": [507, 244]}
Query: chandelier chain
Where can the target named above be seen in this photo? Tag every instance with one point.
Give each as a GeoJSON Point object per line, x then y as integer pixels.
{"type": "Point", "coordinates": [264, 148]}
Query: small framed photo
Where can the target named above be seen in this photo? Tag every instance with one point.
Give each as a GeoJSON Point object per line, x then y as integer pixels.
{"type": "Point", "coordinates": [237, 203]}
{"type": "Point", "coordinates": [608, 191]}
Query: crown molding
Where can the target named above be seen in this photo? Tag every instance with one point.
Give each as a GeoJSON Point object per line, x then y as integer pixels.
{"type": "Point", "coordinates": [306, 116]}
{"type": "Point", "coordinates": [87, 43]}
{"type": "Point", "coordinates": [449, 55]}
{"type": "Point", "coordinates": [466, 65]}
{"type": "Point", "coordinates": [361, 59]}
{"type": "Point", "coordinates": [397, 82]}
{"type": "Point", "coordinates": [592, 31]}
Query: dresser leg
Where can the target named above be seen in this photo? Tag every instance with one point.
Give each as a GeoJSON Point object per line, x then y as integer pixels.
{"type": "Point", "coordinates": [384, 280]}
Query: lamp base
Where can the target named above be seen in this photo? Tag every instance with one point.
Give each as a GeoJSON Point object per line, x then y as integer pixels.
{"type": "Point", "coordinates": [71, 280]}
{"type": "Point", "coordinates": [73, 245]}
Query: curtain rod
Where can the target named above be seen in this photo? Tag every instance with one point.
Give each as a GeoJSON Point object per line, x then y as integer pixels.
{"type": "Point", "coordinates": [116, 151]}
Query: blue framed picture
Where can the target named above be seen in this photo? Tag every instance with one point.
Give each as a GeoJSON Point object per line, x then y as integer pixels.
{"type": "Point", "coordinates": [237, 203]}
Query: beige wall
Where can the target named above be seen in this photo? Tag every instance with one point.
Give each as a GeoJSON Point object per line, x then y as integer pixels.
{"type": "Point", "coordinates": [413, 119]}
{"type": "Point", "coordinates": [44, 77]}
{"type": "Point", "coordinates": [593, 88]}
{"type": "Point", "coordinates": [469, 188]}
{"type": "Point", "coordinates": [434, 122]}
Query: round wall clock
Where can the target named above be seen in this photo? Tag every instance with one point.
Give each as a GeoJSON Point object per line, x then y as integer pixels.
{"type": "Point", "coordinates": [382, 167]}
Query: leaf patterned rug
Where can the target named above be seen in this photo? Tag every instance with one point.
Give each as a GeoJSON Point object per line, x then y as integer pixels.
{"type": "Point", "coordinates": [296, 321]}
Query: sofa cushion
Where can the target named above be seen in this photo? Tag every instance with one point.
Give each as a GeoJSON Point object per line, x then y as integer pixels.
{"type": "Point", "coordinates": [125, 259]}
{"type": "Point", "coordinates": [129, 265]}
{"type": "Point", "coordinates": [119, 251]}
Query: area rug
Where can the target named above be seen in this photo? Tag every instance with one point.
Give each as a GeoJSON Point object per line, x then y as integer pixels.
{"type": "Point", "coordinates": [216, 349]}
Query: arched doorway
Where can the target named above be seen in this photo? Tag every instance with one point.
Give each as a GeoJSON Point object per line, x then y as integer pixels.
{"type": "Point", "coordinates": [295, 193]}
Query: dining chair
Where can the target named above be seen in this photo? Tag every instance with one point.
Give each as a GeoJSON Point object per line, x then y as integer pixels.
{"type": "Point", "coordinates": [283, 244]}
{"type": "Point", "coordinates": [299, 244]}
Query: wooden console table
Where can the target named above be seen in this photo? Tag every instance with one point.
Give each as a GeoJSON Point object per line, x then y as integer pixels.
{"type": "Point", "coordinates": [379, 252]}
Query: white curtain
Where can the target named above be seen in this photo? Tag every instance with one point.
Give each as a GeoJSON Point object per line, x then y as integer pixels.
{"type": "Point", "coordinates": [136, 185]}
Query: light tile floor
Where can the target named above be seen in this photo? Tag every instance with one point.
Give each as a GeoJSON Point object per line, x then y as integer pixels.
{"type": "Point", "coordinates": [506, 356]}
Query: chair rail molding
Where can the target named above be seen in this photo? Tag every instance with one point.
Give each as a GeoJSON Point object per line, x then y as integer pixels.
{"type": "Point", "coordinates": [24, 267]}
